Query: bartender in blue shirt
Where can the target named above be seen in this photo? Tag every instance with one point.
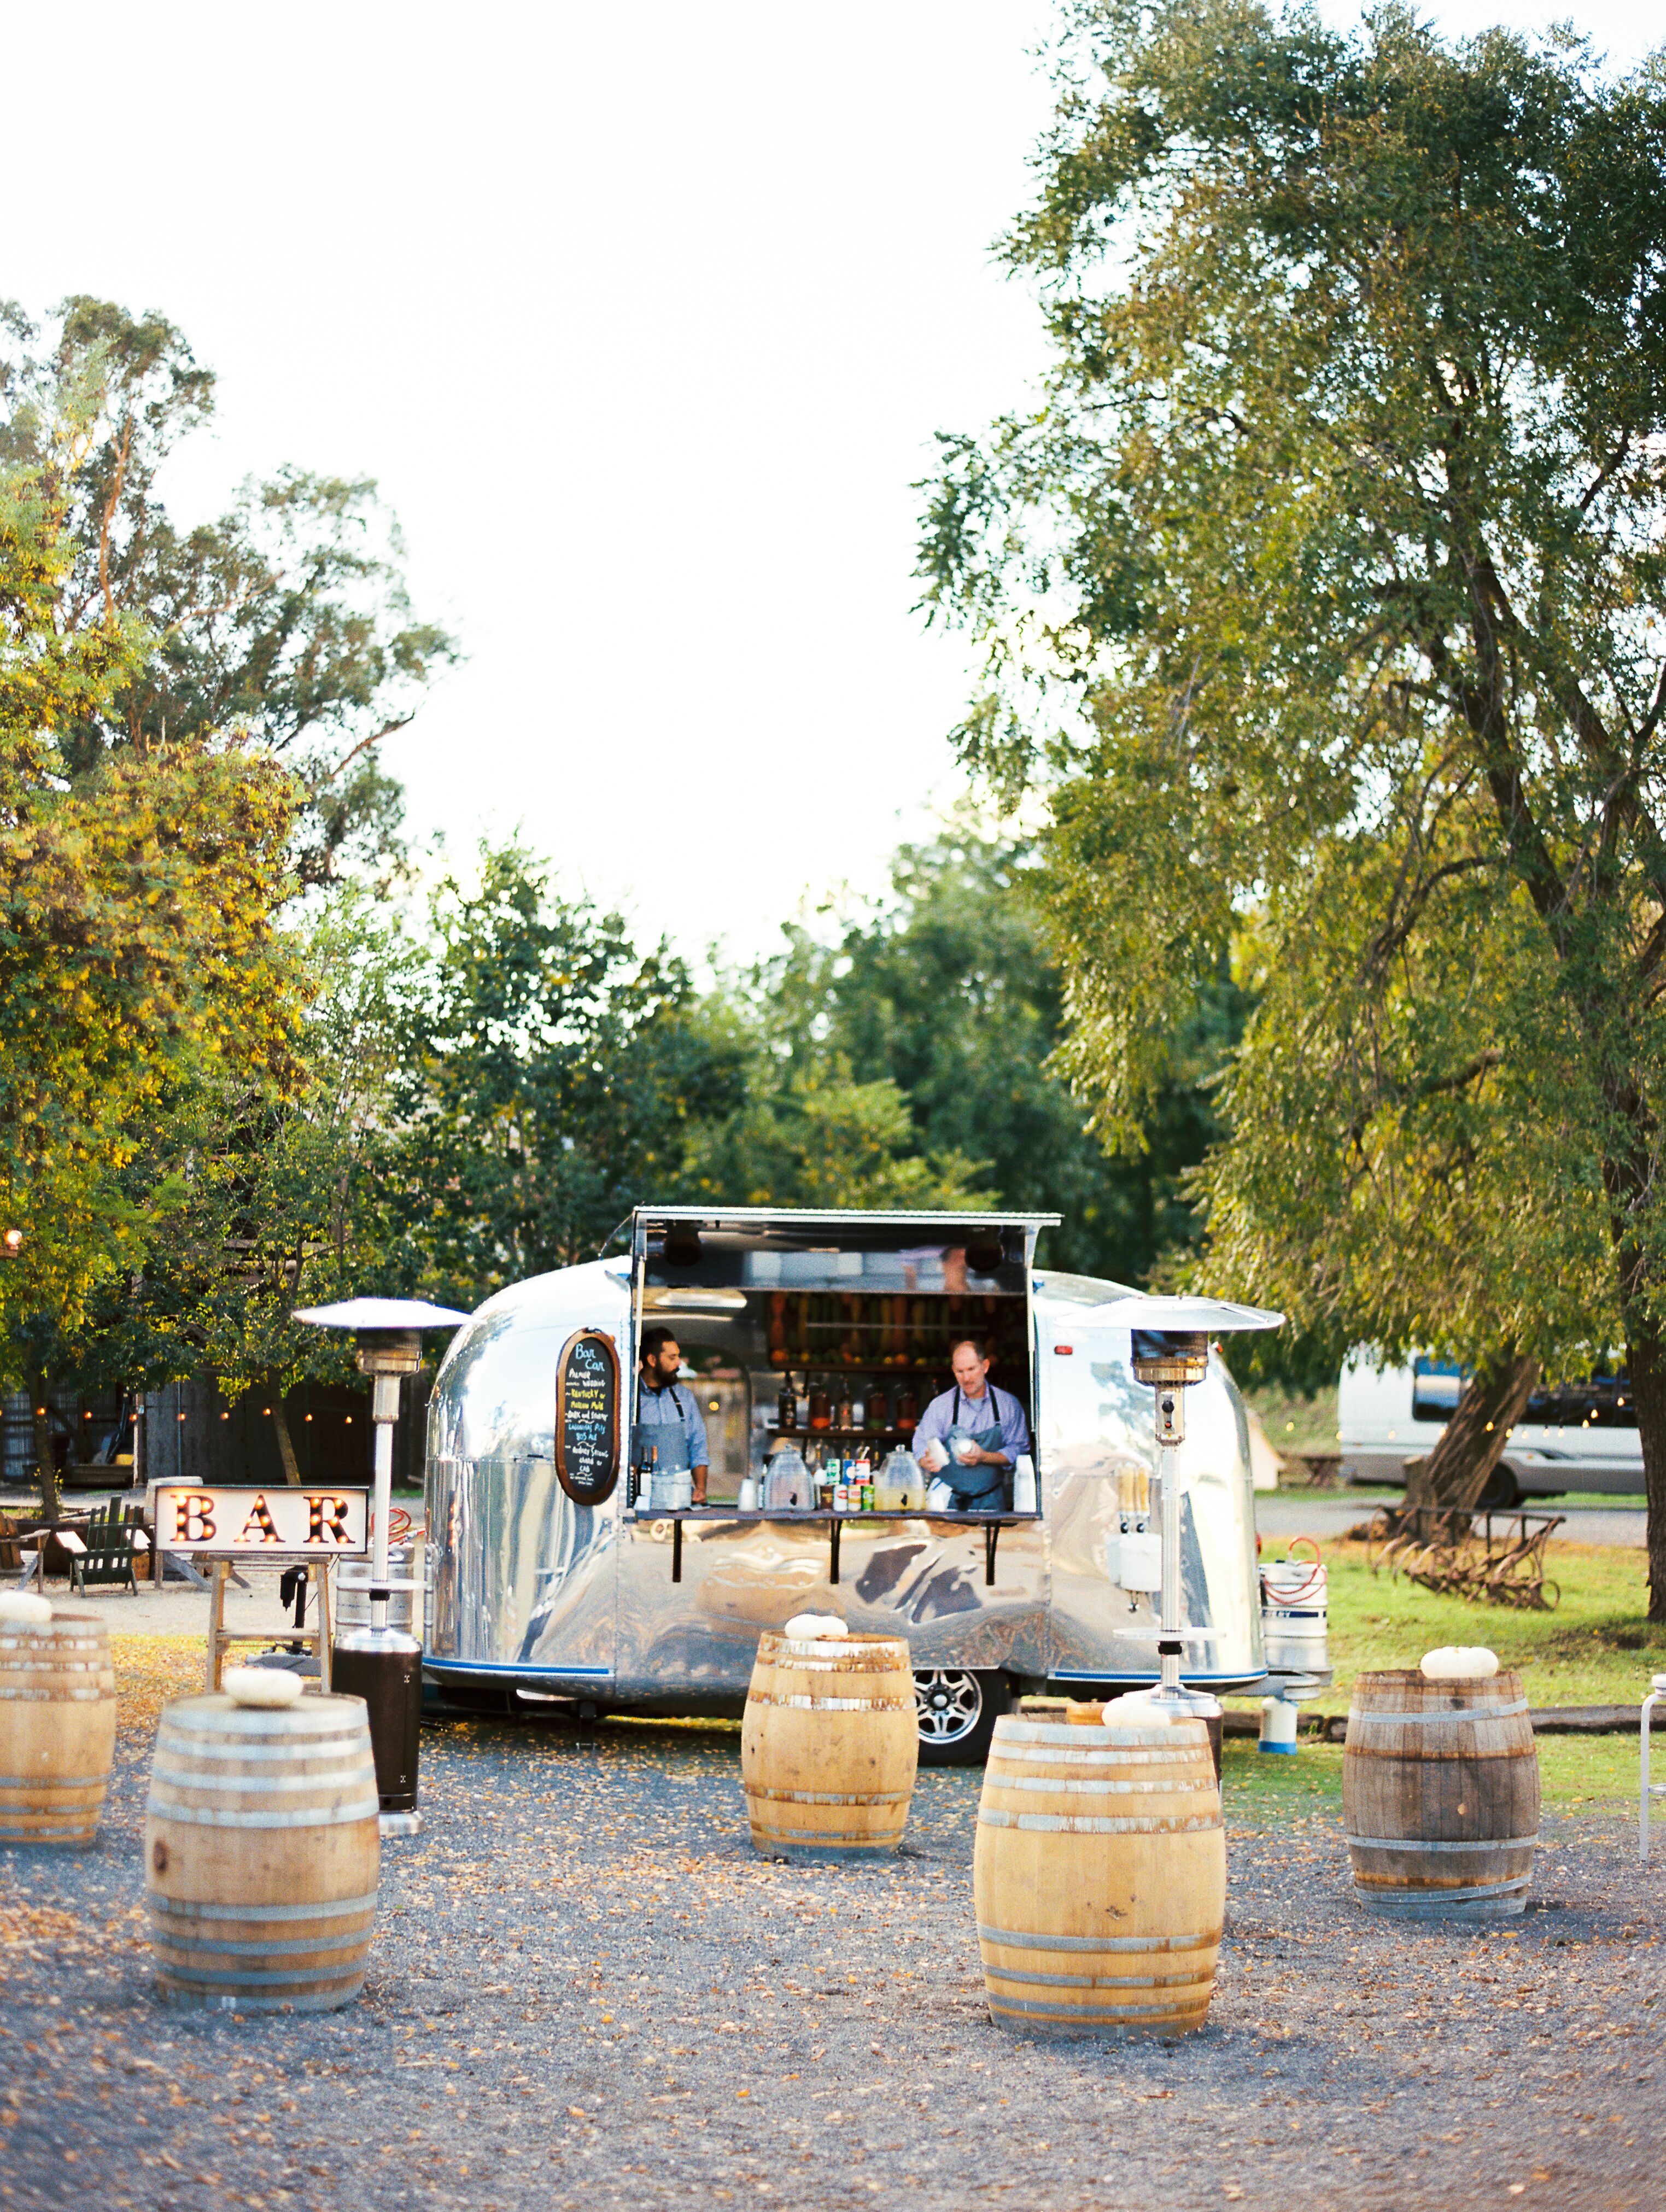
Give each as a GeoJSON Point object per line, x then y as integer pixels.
{"type": "Point", "coordinates": [982, 1430]}
{"type": "Point", "coordinates": [669, 1430]}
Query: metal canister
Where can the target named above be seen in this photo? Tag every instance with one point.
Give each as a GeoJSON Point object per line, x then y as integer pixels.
{"type": "Point", "coordinates": [1295, 1613]}
{"type": "Point", "coordinates": [351, 1579]}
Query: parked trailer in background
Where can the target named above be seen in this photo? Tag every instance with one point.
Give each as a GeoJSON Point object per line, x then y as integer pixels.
{"type": "Point", "coordinates": [536, 1599]}
{"type": "Point", "coordinates": [1580, 1436]}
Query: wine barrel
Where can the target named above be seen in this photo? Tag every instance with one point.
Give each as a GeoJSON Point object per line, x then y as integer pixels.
{"type": "Point", "coordinates": [262, 1853]}
{"type": "Point", "coordinates": [58, 1727]}
{"type": "Point", "coordinates": [829, 1746]}
{"type": "Point", "coordinates": [1440, 1795]}
{"type": "Point", "coordinates": [1099, 1877]}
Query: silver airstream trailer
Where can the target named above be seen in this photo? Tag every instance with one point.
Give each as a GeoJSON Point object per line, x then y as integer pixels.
{"type": "Point", "coordinates": [543, 1591]}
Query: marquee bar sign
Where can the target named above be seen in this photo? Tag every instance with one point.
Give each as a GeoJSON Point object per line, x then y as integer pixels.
{"type": "Point", "coordinates": [329, 1523]}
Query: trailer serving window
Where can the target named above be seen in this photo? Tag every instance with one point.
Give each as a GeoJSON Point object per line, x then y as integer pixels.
{"type": "Point", "coordinates": [832, 1332]}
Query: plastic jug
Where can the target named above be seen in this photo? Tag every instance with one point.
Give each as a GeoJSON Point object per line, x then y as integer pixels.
{"type": "Point", "coordinates": [787, 1483]}
{"type": "Point", "coordinates": [900, 1487]}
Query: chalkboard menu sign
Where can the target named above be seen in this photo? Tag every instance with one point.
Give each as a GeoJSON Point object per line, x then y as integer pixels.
{"type": "Point", "coordinates": [587, 1417]}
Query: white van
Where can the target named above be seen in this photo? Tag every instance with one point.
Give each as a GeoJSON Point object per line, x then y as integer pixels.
{"type": "Point", "coordinates": [1581, 1436]}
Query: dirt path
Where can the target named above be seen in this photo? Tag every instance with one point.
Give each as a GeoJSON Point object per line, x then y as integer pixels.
{"type": "Point", "coordinates": [588, 1991]}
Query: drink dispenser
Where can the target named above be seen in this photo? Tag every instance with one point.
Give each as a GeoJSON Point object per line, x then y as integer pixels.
{"type": "Point", "coordinates": [900, 1487]}
{"type": "Point", "coordinates": [1133, 1549]}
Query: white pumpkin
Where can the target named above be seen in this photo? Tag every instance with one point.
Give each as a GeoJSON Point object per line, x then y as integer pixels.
{"type": "Point", "coordinates": [261, 1686]}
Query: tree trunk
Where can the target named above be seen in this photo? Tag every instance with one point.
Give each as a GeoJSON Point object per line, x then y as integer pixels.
{"type": "Point", "coordinates": [1646, 1363]}
{"type": "Point", "coordinates": [286, 1447]}
{"type": "Point", "coordinates": [51, 1502]}
{"type": "Point", "coordinates": [1456, 1471]}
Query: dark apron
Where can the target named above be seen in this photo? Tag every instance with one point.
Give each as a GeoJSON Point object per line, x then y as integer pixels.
{"type": "Point", "coordinates": [661, 1444]}
{"type": "Point", "coordinates": [977, 1489]}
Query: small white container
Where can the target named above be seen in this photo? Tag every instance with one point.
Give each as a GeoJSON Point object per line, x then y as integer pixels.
{"type": "Point", "coordinates": [1139, 1564]}
{"type": "Point", "coordinates": [1024, 1483]}
{"type": "Point", "coordinates": [1278, 1726]}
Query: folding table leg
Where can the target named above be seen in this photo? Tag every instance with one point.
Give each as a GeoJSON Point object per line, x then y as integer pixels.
{"type": "Point", "coordinates": [217, 1622]}
{"type": "Point", "coordinates": [319, 1571]}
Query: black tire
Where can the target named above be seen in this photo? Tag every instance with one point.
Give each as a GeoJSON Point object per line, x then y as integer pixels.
{"type": "Point", "coordinates": [1503, 1493]}
{"type": "Point", "coordinates": [958, 1707]}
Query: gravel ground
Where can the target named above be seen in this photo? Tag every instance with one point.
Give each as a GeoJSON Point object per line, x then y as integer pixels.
{"type": "Point", "coordinates": [588, 1991]}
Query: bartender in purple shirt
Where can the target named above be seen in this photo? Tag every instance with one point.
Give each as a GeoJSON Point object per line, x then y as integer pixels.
{"type": "Point", "coordinates": [982, 1430]}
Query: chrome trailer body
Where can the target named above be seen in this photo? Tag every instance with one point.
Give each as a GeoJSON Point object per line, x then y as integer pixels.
{"type": "Point", "coordinates": [531, 1596]}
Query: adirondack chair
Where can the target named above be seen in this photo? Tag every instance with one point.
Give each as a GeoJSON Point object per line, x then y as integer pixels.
{"type": "Point", "coordinates": [108, 1557]}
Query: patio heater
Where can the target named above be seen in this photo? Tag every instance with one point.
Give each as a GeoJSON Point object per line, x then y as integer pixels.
{"type": "Point", "coordinates": [1171, 1352]}
{"type": "Point", "coordinates": [384, 1665]}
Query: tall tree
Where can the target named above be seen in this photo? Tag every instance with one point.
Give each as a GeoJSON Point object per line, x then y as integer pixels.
{"type": "Point", "coordinates": [137, 891]}
{"type": "Point", "coordinates": [1341, 528]}
{"type": "Point", "coordinates": [189, 721]}
{"type": "Point", "coordinates": [948, 988]}
{"type": "Point", "coordinates": [547, 1077]}
{"type": "Point", "coordinates": [816, 1136]}
{"type": "Point", "coordinates": [285, 622]}
{"type": "Point", "coordinates": [260, 1193]}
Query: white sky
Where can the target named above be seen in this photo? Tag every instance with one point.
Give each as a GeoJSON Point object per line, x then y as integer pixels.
{"type": "Point", "coordinates": [644, 318]}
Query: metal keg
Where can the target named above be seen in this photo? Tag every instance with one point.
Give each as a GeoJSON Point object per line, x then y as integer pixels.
{"type": "Point", "coordinates": [352, 1591]}
{"type": "Point", "coordinates": [1295, 1613]}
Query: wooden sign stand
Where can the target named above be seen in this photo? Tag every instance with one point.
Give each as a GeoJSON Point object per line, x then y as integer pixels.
{"type": "Point", "coordinates": [316, 1639]}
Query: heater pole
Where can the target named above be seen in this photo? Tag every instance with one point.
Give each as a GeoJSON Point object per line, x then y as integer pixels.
{"type": "Point", "coordinates": [1171, 1407]}
{"type": "Point", "coordinates": [378, 1663]}
{"type": "Point", "coordinates": [1169, 1642]}
{"type": "Point", "coordinates": [385, 1412]}
{"type": "Point", "coordinates": [1169, 1349]}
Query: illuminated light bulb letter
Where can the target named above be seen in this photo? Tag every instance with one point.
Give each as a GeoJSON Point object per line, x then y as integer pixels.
{"type": "Point", "coordinates": [259, 1526]}
{"type": "Point", "coordinates": [318, 1530]}
{"type": "Point", "coordinates": [193, 1517]}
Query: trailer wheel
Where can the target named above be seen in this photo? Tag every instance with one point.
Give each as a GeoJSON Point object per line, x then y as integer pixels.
{"type": "Point", "coordinates": [1502, 1493]}
{"type": "Point", "coordinates": [957, 1710]}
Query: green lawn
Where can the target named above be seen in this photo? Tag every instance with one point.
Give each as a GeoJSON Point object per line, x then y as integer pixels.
{"type": "Point", "coordinates": [1575, 1772]}
{"type": "Point", "coordinates": [1296, 1423]}
{"type": "Point", "coordinates": [1596, 1649]}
